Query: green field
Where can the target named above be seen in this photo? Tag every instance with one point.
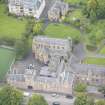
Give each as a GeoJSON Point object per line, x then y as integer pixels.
{"type": "Point", "coordinates": [9, 26]}
{"type": "Point", "coordinates": [97, 61]}
{"type": "Point", "coordinates": [6, 58]}
{"type": "Point", "coordinates": [62, 31]}
{"type": "Point", "coordinates": [75, 1]}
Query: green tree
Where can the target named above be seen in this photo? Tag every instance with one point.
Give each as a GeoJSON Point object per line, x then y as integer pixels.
{"type": "Point", "coordinates": [80, 87]}
{"type": "Point", "coordinates": [10, 96]}
{"type": "Point", "coordinates": [101, 9]}
{"type": "Point", "coordinates": [84, 100]}
{"type": "Point", "coordinates": [91, 8]}
{"type": "Point", "coordinates": [81, 100]}
{"type": "Point", "coordinates": [102, 89]}
{"type": "Point", "coordinates": [37, 28]}
{"type": "Point", "coordinates": [37, 100]}
{"type": "Point", "coordinates": [22, 48]}
{"type": "Point", "coordinates": [95, 9]}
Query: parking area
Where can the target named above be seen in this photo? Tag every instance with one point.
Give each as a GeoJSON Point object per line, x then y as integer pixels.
{"type": "Point", "coordinates": [52, 98]}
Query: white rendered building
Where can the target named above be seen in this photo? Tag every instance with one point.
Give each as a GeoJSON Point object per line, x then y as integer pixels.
{"type": "Point", "coordinates": [26, 7]}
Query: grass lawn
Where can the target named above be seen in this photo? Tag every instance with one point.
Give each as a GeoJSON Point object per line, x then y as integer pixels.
{"type": "Point", "coordinates": [102, 51]}
{"type": "Point", "coordinates": [77, 14]}
{"type": "Point", "coordinates": [97, 61]}
{"type": "Point", "coordinates": [9, 26]}
{"type": "Point", "coordinates": [6, 58]}
{"type": "Point", "coordinates": [75, 1]}
{"type": "Point", "coordinates": [61, 31]}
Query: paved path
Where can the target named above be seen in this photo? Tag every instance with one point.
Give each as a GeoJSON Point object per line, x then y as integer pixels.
{"type": "Point", "coordinates": [97, 56]}
{"type": "Point", "coordinates": [49, 3]}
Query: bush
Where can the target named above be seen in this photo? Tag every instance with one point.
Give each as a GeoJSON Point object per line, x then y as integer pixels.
{"type": "Point", "coordinates": [80, 87]}
{"type": "Point", "coordinates": [37, 100]}
{"type": "Point", "coordinates": [102, 89]}
{"type": "Point", "coordinates": [91, 47]}
{"type": "Point", "coordinates": [37, 28]}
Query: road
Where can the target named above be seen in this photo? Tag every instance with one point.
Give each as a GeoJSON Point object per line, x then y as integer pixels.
{"type": "Point", "coordinates": [61, 99]}
{"type": "Point", "coordinates": [50, 99]}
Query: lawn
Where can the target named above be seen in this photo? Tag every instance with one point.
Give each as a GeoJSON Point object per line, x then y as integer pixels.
{"type": "Point", "coordinates": [75, 14]}
{"type": "Point", "coordinates": [62, 31]}
{"type": "Point", "coordinates": [6, 58]}
{"type": "Point", "coordinates": [102, 51]}
{"type": "Point", "coordinates": [9, 26]}
{"type": "Point", "coordinates": [75, 1]}
{"type": "Point", "coordinates": [97, 61]}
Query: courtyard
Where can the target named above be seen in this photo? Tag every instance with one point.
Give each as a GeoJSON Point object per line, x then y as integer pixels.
{"type": "Point", "coordinates": [6, 58]}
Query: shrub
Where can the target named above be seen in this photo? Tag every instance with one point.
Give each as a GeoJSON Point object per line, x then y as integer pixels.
{"type": "Point", "coordinates": [80, 87]}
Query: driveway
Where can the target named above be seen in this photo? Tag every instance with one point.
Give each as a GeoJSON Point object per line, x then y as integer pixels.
{"type": "Point", "coordinates": [50, 99]}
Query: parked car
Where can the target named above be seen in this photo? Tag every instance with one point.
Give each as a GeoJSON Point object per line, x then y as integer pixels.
{"type": "Point", "coordinates": [69, 96]}
{"type": "Point", "coordinates": [54, 95]}
{"type": "Point", "coordinates": [55, 103]}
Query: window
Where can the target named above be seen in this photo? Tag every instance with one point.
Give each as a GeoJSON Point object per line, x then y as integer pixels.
{"type": "Point", "coordinates": [30, 10]}
{"type": "Point", "coordinates": [62, 47]}
{"type": "Point", "coordinates": [21, 7]}
{"type": "Point", "coordinates": [30, 87]}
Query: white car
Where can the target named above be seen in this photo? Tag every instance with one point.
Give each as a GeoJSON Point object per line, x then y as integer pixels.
{"type": "Point", "coordinates": [54, 95]}
{"type": "Point", "coordinates": [26, 94]}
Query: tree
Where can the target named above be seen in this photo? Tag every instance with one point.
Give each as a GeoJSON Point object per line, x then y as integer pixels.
{"type": "Point", "coordinates": [80, 87]}
{"type": "Point", "coordinates": [91, 8]}
{"type": "Point", "coordinates": [101, 9]}
{"type": "Point", "coordinates": [95, 9]}
{"type": "Point", "coordinates": [10, 96]}
{"type": "Point", "coordinates": [84, 100]}
{"type": "Point", "coordinates": [37, 28]}
{"type": "Point", "coordinates": [81, 100]}
{"type": "Point", "coordinates": [100, 102]}
{"type": "Point", "coordinates": [22, 47]}
{"type": "Point", "coordinates": [102, 89]}
{"type": "Point", "coordinates": [37, 100]}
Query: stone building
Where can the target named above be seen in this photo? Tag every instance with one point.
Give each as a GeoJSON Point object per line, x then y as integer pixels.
{"type": "Point", "coordinates": [45, 49]}
{"type": "Point", "coordinates": [90, 74]}
{"type": "Point", "coordinates": [58, 10]}
{"type": "Point", "coordinates": [54, 76]}
{"type": "Point", "coordinates": [26, 7]}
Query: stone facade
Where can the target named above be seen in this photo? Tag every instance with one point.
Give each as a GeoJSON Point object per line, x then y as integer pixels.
{"type": "Point", "coordinates": [57, 10]}
{"type": "Point", "coordinates": [26, 7]}
{"type": "Point", "coordinates": [90, 74]}
{"type": "Point", "coordinates": [54, 76]}
{"type": "Point", "coordinates": [44, 48]}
